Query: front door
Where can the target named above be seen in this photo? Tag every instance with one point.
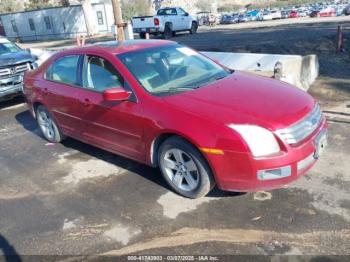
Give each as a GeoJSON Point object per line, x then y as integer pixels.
{"type": "Point", "coordinates": [114, 125]}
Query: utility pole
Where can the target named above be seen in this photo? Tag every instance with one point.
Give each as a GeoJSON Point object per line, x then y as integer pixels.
{"type": "Point", "coordinates": [118, 20]}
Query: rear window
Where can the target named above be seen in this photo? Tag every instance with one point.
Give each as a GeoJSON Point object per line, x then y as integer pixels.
{"type": "Point", "coordinates": [167, 11]}
{"type": "Point", "coordinates": [64, 70]}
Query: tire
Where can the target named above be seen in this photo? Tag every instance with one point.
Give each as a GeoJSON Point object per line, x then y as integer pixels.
{"type": "Point", "coordinates": [168, 32]}
{"type": "Point", "coordinates": [184, 168]}
{"type": "Point", "coordinates": [194, 28]}
{"type": "Point", "coordinates": [142, 35]}
{"type": "Point", "coordinates": [48, 126]}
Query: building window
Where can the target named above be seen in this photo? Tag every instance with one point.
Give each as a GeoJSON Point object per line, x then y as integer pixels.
{"type": "Point", "coordinates": [100, 18]}
{"type": "Point", "coordinates": [31, 24]}
{"type": "Point", "coordinates": [47, 22]}
{"type": "Point", "coordinates": [14, 26]}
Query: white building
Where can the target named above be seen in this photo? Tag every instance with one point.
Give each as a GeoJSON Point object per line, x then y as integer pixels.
{"type": "Point", "coordinates": [58, 22]}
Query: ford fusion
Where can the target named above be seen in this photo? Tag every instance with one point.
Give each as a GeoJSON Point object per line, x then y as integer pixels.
{"type": "Point", "coordinates": [167, 106]}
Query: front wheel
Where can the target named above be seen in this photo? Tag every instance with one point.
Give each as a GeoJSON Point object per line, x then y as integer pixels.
{"type": "Point", "coordinates": [194, 28]}
{"type": "Point", "coordinates": [184, 168]}
{"type": "Point", "coordinates": [48, 125]}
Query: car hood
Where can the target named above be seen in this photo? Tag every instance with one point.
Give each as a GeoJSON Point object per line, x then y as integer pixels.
{"type": "Point", "coordinates": [242, 98]}
{"type": "Point", "coordinates": [9, 59]}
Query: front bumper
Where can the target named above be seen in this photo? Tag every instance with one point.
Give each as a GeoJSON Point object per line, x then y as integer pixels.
{"type": "Point", "coordinates": [11, 86]}
{"type": "Point", "coordinates": [237, 171]}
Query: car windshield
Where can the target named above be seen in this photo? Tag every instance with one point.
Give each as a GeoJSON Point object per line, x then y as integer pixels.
{"type": "Point", "coordinates": [8, 48]}
{"type": "Point", "coordinates": [171, 68]}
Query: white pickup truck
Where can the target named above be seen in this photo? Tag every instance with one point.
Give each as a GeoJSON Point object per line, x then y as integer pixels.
{"type": "Point", "coordinates": [168, 21]}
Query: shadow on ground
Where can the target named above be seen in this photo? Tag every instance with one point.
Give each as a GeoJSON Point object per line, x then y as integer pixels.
{"type": "Point", "coordinates": [147, 172]}
{"type": "Point", "coordinates": [8, 251]}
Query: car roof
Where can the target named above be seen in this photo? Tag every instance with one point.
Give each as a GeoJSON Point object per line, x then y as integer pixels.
{"type": "Point", "coordinates": [119, 47]}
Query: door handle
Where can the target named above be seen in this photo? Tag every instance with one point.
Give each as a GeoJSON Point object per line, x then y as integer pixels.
{"type": "Point", "coordinates": [86, 102]}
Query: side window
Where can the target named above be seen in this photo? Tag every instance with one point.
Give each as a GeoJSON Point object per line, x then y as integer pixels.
{"type": "Point", "coordinates": [64, 70]}
{"type": "Point", "coordinates": [173, 11]}
{"type": "Point", "coordinates": [100, 74]}
{"type": "Point", "coordinates": [181, 11]}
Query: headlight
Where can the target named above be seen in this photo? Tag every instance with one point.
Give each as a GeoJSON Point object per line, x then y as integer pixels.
{"type": "Point", "coordinates": [260, 140]}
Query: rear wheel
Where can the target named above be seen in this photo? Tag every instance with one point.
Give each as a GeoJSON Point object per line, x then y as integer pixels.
{"type": "Point", "coordinates": [168, 32]}
{"type": "Point", "coordinates": [48, 125]}
{"type": "Point", "coordinates": [194, 28]}
{"type": "Point", "coordinates": [184, 168]}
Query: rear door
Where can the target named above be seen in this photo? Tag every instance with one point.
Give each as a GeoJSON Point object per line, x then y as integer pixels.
{"type": "Point", "coordinates": [60, 89]}
{"type": "Point", "coordinates": [113, 125]}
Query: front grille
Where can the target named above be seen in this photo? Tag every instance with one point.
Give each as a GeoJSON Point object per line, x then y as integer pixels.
{"type": "Point", "coordinates": [14, 70]}
{"type": "Point", "coordinates": [303, 128]}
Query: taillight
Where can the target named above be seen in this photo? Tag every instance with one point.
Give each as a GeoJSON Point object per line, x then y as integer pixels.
{"type": "Point", "coordinates": [156, 21]}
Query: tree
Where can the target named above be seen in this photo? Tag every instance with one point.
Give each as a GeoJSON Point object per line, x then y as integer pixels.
{"type": "Point", "coordinates": [8, 6]}
{"type": "Point", "coordinates": [204, 5]}
{"type": "Point", "coordinates": [132, 8]}
{"type": "Point", "coordinates": [38, 4]}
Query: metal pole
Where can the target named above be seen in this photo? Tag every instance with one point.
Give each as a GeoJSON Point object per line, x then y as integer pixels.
{"type": "Point", "coordinates": [118, 20]}
{"type": "Point", "coordinates": [339, 38]}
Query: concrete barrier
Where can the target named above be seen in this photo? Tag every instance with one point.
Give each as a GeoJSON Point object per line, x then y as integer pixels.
{"type": "Point", "coordinates": [300, 71]}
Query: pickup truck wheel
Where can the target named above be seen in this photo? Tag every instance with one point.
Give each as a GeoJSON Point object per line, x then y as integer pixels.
{"type": "Point", "coordinates": [194, 28]}
{"type": "Point", "coordinates": [184, 168]}
{"type": "Point", "coordinates": [48, 125]}
{"type": "Point", "coordinates": [142, 35]}
{"type": "Point", "coordinates": [168, 32]}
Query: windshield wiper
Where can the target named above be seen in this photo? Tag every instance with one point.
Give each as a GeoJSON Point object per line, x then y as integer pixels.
{"type": "Point", "coordinates": [176, 89]}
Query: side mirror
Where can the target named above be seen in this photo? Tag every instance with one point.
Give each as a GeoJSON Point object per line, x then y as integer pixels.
{"type": "Point", "coordinates": [186, 14]}
{"type": "Point", "coordinates": [116, 94]}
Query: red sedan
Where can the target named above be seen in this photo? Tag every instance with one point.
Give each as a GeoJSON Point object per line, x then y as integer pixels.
{"type": "Point", "coordinates": [293, 14]}
{"type": "Point", "coordinates": [164, 104]}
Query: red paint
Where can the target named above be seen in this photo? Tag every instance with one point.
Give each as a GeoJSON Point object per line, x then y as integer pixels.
{"type": "Point", "coordinates": [116, 94]}
{"type": "Point", "coordinates": [130, 127]}
{"type": "Point", "coordinates": [293, 14]}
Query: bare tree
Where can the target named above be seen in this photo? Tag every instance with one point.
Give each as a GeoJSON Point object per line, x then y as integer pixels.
{"type": "Point", "coordinates": [7, 6]}
{"type": "Point", "coordinates": [90, 19]}
{"type": "Point", "coordinates": [204, 5]}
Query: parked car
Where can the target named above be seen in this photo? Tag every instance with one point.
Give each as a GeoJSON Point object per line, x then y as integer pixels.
{"type": "Point", "coordinates": [285, 14]}
{"type": "Point", "coordinates": [243, 18]}
{"type": "Point", "coordinates": [229, 19]}
{"type": "Point", "coordinates": [207, 18]}
{"type": "Point", "coordinates": [315, 13]}
{"type": "Point", "coordinates": [164, 104]}
{"type": "Point", "coordinates": [14, 62]}
{"type": "Point", "coordinates": [293, 14]}
{"type": "Point", "coordinates": [266, 15]}
{"type": "Point", "coordinates": [302, 12]}
{"type": "Point", "coordinates": [167, 22]}
{"type": "Point", "coordinates": [346, 10]}
{"type": "Point", "coordinates": [328, 11]}
{"type": "Point", "coordinates": [276, 14]}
